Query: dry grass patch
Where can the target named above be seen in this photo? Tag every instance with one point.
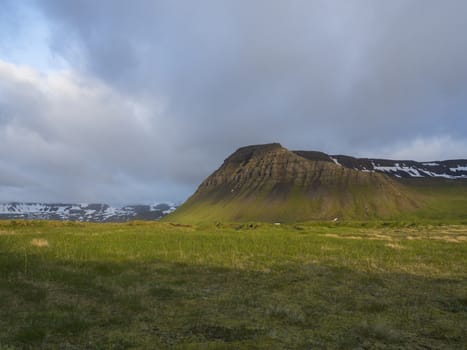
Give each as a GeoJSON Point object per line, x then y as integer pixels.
{"type": "Point", "coordinates": [332, 235]}
{"type": "Point", "coordinates": [451, 239]}
{"type": "Point", "coordinates": [39, 242]}
{"type": "Point", "coordinates": [368, 236]}
{"type": "Point", "coordinates": [444, 238]}
{"type": "Point", "coordinates": [394, 246]}
{"type": "Point", "coordinates": [379, 237]}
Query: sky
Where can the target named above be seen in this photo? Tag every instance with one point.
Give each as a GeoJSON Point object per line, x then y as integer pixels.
{"type": "Point", "coordinates": [138, 101]}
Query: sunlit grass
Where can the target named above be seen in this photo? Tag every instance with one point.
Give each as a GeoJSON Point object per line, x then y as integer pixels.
{"type": "Point", "coordinates": [230, 286]}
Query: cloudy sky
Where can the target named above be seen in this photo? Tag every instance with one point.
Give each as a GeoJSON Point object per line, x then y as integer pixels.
{"type": "Point", "coordinates": [137, 101]}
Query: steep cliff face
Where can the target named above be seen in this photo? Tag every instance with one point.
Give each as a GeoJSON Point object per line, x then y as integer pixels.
{"type": "Point", "coordinates": [270, 183]}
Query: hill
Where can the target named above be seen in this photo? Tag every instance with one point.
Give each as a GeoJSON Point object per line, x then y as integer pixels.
{"type": "Point", "coordinates": [270, 183]}
{"type": "Point", "coordinates": [97, 212]}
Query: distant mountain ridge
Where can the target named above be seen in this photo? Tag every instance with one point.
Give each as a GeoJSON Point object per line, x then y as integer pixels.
{"type": "Point", "coordinates": [448, 169]}
{"type": "Point", "coordinates": [97, 212]}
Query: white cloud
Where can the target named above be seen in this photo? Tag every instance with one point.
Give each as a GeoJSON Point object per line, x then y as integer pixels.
{"type": "Point", "coordinates": [426, 149]}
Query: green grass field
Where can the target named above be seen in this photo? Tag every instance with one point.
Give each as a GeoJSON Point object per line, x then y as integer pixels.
{"type": "Point", "coordinates": [142, 285]}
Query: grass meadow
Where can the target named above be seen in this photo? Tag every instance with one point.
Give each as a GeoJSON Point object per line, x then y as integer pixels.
{"type": "Point", "coordinates": [157, 285]}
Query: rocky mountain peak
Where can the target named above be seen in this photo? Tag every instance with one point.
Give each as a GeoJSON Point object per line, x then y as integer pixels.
{"type": "Point", "coordinates": [244, 154]}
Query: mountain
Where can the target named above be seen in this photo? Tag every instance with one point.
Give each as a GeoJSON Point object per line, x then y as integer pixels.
{"type": "Point", "coordinates": [270, 183]}
{"type": "Point", "coordinates": [448, 169]}
{"type": "Point", "coordinates": [84, 212]}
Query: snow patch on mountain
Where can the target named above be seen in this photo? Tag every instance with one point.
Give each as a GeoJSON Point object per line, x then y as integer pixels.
{"type": "Point", "coordinates": [335, 161]}
{"type": "Point", "coordinates": [411, 171]}
{"type": "Point", "coordinates": [84, 211]}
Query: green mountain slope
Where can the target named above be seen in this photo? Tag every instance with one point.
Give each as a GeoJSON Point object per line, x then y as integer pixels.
{"type": "Point", "coordinates": [444, 200]}
{"type": "Point", "coordinates": [271, 183]}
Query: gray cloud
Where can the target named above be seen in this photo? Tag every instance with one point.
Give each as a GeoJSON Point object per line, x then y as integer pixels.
{"type": "Point", "coordinates": [74, 137]}
{"type": "Point", "coordinates": [180, 85]}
